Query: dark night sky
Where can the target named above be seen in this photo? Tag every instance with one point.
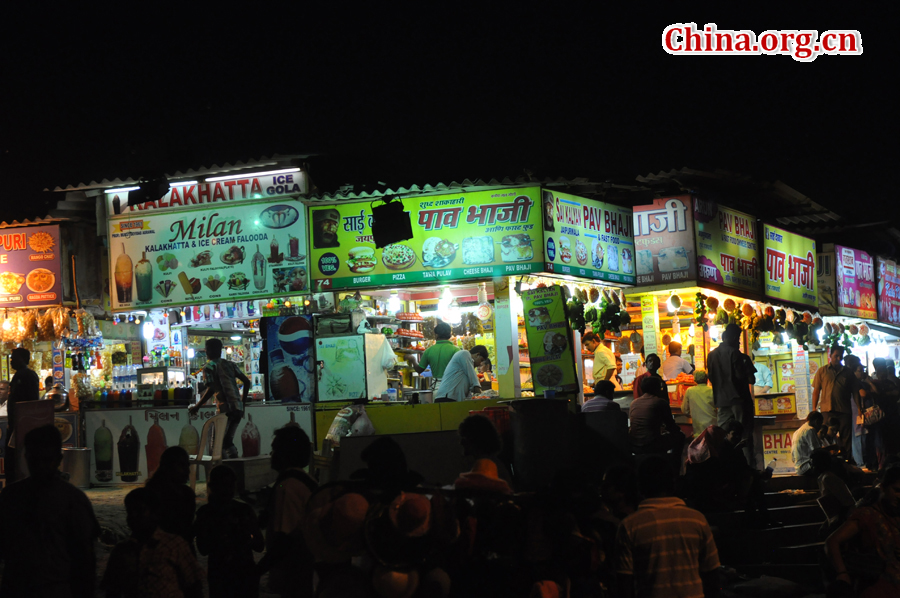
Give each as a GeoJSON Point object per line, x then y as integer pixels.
{"type": "Point", "coordinates": [421, 97]}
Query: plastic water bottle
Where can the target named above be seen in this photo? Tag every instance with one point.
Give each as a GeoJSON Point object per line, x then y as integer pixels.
{"type": "Point", "coordinates": [770, 466]}
{"type": "Point", "coordinates": [132, 375]}
{"type": "Point", "coordinates": [116, 374]}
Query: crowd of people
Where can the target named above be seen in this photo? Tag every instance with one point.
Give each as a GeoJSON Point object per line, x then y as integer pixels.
{"type": "Point", "coordinates": [639, 530]}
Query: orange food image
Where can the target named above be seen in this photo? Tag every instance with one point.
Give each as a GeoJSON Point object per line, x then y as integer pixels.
{"type": "Point", "coordinates": [41, 242]}
{"type": "Point", "coordinates": [40, 280]}
{"type": "Point", "coordinates": [10, 282]}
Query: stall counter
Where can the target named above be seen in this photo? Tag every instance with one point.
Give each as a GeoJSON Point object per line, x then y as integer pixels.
{"type": "Point", "coordinates": [404, 418]}
{"type": "Point", "coordinates": [136, 437]}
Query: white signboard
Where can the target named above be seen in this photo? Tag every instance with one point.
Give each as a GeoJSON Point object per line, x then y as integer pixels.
{"type": "Point", "coordinates": [127, 443]}
{"type": "Point", "coordinates": [217, 254]}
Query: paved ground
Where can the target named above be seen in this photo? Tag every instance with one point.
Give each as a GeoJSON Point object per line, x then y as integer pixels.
{"type": "Point", "coordinates": [109, 507]}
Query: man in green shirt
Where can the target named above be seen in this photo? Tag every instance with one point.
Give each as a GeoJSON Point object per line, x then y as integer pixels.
{"type": "Point", "coordinates": [437, 356]}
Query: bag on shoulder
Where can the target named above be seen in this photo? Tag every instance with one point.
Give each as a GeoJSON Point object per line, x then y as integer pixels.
{"type": "Point", "coordinates": [872, 415]}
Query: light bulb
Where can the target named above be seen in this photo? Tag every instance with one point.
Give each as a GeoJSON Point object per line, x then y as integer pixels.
{"type": "Point", "coordinates": [217, 315]}
{"type": "Point", "coordinates": [190, 353]}
{"type": "Point", "coordinates": [229, 351]}
{"type": "Point", "coordinates": [287, 303]}
{"type": "Point", "coordinates": [394, 304]}
{"type": "Point", "coordinates": [182, 313]}
{"type": "Point", "coordinates": [148, 330]}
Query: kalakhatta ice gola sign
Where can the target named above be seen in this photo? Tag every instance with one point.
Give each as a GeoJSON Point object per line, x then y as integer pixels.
{"type": "Point", "coordinates": [209, 255]}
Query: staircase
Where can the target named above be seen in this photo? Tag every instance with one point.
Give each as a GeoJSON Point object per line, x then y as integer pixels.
{"type": "Point", "coordinates": [794, 551]}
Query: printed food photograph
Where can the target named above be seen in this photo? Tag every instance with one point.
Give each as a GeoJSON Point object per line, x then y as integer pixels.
{"type": "Point", "coordinates": [168, 261]}
{"type": "Point", "coordinates": [40, 280]}
{"type": "Point", "coordinates": [565, 250]}
{"type": "Point", "coordinates": [204, 258]}
{"type": "Point", "coordinates": [10, 282]}
{"type": "Point", "coordinates": [612, 258]}
{"type": "Point", "coordinates": [238, 281]}
{"type": "Point", "coordinates": [279, 216]}
{"type": "Point", "coordinates": [581, 252]}
{"type": "Point", "coordinates": [478, 250]}
{"type": "Point", "coordinates": [438, 252]}
{"type": "Point", "coordinates": [325, 228]}
{"type": "Point", "coordinates": [597, 254]}
{"type": "Point", "coordinates": [538, 316]}
{"type": "Point", "coordinates": [41, 242]}
{"type": "Point", "coordinates": [516, 248]}
{"type": "Point", "coordinates": [362, 260]}
{"type": "Point", "coordinates": [398, 256]}
{"type": "Point", "coordinates": [627, 262]}
{"type": "Point", "coordinates": [549, 375]}
{"type": "Point", "coordinates": [233, 255]}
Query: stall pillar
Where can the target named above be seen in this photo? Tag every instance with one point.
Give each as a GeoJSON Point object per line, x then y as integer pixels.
{"type": "Point", "coordinates": [507, 339]}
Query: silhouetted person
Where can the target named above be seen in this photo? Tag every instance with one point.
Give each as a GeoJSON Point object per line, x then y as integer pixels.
{"type": "Point", "coordinates": [227, 531]}
{"type": "Point", "coordinates": [177, 500]}
{"type": "Point", "coordinates": [650, 416]}
{"type": "Point", "coordinates": [288, 559]}
{"type": "Point", "coordinates": [480, 440]}
{"type": "Point", "coordinates": [731, 373]}
{"type": "Point", "coordinates": [151, 562]}
{"type": "Point", "coordinates": [47, 527]}
{"type": "Point", "coordinates": [664, 544]}
{"type": "Point", "coordinates": [24, 386]}
{"type": "Point", "coordinates": [651, 365]}
{"type": "Point", "coordinates": [386, 473]}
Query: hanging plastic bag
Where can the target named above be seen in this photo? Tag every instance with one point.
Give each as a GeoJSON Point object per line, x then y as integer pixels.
{"type": "Point", "coordinates": [363, 425]}
{"type": "Point", "coordinates": [340, 427]}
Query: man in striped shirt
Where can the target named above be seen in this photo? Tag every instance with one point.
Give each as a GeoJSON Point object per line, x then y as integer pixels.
{"type": "Point", "coordinates": [665, 549]}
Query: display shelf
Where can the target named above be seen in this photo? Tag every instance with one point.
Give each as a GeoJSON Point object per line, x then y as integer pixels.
{"type": "Point", "coordinates": [409, 351]}
{"type": "Point", "coordinates": [383, 319]}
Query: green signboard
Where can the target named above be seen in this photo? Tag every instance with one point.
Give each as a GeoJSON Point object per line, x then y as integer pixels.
{"type": "Point", "coordinates": [790, 273]}
{"type": "Point", "coordinates": [587, 238]}
{"type": "Point", "coordinates": [549, 341]}
{"type": "Point", "coordinates": [482, 234]}
{"type": "Point", "coordinates": [727, 246]}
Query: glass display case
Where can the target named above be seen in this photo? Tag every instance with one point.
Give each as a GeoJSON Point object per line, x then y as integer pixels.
{"type": "Point", "coordinates": [161, 376]}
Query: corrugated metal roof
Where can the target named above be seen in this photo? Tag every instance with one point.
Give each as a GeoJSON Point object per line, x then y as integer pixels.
{"type": "Point", "coordinates": [576, 186]}
{"type": "Point", "coordinates": [796, 209]}
{"type": "Point", "coordinates": [276, 160]}
{"type": "Point", "coordinates": [35, 222]}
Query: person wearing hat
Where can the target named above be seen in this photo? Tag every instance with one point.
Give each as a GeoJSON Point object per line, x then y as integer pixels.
{"type": "Point", "coordinates": [483, 478]}
{"type": "Point", "coordinates": [731, 374]}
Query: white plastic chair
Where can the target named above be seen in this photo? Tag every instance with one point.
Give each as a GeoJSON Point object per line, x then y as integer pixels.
{"type": "Point", "coordinates": [219, 423]}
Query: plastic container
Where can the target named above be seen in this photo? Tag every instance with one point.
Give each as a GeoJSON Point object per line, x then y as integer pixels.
{"type": "Point", "coordinates": [76, 462]}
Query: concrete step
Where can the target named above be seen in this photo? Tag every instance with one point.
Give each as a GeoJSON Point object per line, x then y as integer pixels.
{"type": "Point", "coordinates": [808, 576]}
{"type": "Point", "coordinates": [788, 515]}
{"type": "Point", "coordinates": [747, 546]}
{"type": "Point", "coordinates": [802, 482]}
{"type": "Point", "coordinates": [788, 498]}
{"type": "Point", "coordinates": [804, 554]}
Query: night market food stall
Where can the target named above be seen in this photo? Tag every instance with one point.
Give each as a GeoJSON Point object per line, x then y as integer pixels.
{"type": "Point", "coordinates": [473, 256]}
{"type": "Point", "coordinates": [701, 266]}
{"type": "Point", "coordinates": [207, 260]}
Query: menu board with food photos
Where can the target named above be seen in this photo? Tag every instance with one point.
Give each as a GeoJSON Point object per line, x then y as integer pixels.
{"type": "Point", "coordinates": [846, 280]}
{"type": "Point", "coordinates": [727, 246]}
{"type": "Point", "coordinates": [481, 234]}
{"type": "Point", "coordinates": [664, 241]}
{"type": "Point", "coordinates": [549, 341]}
{"type": "Point", "coordinates": [587, 238]}
{"type": "Point", "coordinates": [209, 255]}
{"type": "Point", "coordinates": [30, 267]}
{"type": "Point", "coordinates": [888, 292]}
